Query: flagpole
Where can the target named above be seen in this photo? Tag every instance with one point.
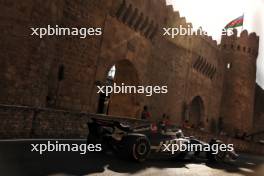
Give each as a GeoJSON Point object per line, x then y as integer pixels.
{"type": "Point", "coordinates": [243, 23]}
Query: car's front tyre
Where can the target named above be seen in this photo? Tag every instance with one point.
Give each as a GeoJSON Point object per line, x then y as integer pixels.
{"type": "Point", "coordinates": [135, 147]}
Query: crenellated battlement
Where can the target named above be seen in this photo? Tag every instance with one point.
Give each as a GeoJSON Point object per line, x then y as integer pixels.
{"type": "Point", "coordinates": [136, 14]}
{"type": "Point", "coordinates": [208, 39]}
{"type": "Point", "coordinates": [129, 14]}
{"type": "Point", "coordinates": [189, 41]}
{"type": "Point", "coordinates": [244, 43]}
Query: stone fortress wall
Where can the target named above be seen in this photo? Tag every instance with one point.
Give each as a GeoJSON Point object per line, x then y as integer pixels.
{"type": "Point", "coordinates": [200, 87]}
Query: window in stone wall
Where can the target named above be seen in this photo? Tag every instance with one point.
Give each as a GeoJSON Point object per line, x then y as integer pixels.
{"type": "Point", "coordinates": [229, 65]}
{"type": "Point", "coordinates": [111, 73]}
{"type": "Point", "coordinates": [104, 100]}
{"type": "Point", "coordinates": [61, 73]}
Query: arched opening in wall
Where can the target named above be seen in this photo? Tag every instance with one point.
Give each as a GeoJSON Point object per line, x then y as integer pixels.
{"type": "Point", "coordinates": [103, 104]}
{"type": "Point", "coordinates": [122, 74]}
{"type": "Point", "coordinates": [196, 112]}
{"type": "Point", "coordinates": [229, 65]}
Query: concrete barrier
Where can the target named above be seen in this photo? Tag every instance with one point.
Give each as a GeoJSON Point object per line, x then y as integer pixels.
{"type": "Point", "coordinates": [18, 122]}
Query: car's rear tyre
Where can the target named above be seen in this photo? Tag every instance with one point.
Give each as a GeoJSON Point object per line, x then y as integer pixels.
{"type": "Point", "coordinates": [220, 156]}
{"type": "Point", "coordinates": [136, 147]}
{"type": "Point", "coordinates": [181, 156]}
{"type": "Point", "coordinates": [216, 157]}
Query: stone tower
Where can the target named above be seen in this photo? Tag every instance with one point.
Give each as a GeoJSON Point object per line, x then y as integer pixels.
{"type": "Point", "coordinates": [239, 55]}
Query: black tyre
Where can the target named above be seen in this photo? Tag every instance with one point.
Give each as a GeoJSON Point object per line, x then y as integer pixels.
{"type": "Point", "coordinates": [216, 157]}
{"type": "Point", "coordinates": [181, 156]}
{"type": "Point", "coordinates": [135, 147]}
{"type": "Point", "coordinates": [210, 156]}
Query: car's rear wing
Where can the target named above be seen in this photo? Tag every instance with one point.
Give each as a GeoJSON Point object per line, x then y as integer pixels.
{"type": "Point", "coordinates": [110, 123]}
{"type": "Point", "coordinates": [103, 122]}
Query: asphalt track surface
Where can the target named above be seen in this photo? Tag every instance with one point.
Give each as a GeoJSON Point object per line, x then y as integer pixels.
{"type": "Point", "coordinates": [16, 159]}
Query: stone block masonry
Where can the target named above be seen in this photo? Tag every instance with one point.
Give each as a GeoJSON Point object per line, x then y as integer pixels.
{"type": "Point", "coordinates": [27, 122]}
{"type": "Point", "coordinates": [56, 72]}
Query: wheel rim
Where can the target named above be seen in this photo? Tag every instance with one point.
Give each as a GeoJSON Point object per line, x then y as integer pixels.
{"type": "Point", "coordinates": [220, 156]}
{"type": "Point", "coordinates": [141, 149]}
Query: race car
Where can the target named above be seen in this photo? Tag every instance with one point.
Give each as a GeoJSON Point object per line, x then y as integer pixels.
{"type": "Point", "coordinates": [137, 142]}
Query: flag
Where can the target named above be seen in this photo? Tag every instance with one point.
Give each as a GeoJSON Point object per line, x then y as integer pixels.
{"type": "Point", "coordinates": [236, 22]}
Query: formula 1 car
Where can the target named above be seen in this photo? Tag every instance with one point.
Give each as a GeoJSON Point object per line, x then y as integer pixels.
{"type": "Point", "coordinates": [138, 142]}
